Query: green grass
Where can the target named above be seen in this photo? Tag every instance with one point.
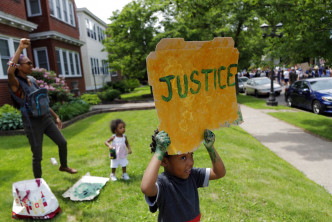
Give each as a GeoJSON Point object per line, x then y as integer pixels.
{"type": "Point", "coordinates": [317, 124]}
{"type": "Point", "coordinates": [140, 93]}
{"type": "Point", "coordinates": [256, 103]}
{"type": "Point", "coordinates": [258, 186]}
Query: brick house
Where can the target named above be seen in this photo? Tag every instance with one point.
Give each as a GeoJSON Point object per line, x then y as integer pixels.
{"type": "Point", "coordinates": [52, 27]}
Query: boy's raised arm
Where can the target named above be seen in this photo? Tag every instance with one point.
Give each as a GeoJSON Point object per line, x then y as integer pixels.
{"type": "Point", "coordinates": [148, 184]}
{"type": "Point", "coordinates": [218, 169]}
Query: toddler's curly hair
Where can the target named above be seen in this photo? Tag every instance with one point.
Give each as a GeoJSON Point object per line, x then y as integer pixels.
{"type": "Point", "coordinates": [115, 123]}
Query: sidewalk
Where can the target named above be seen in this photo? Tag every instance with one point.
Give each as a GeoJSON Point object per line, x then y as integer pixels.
{"type": "Point", "coordinates": [309, 154]}
{"type": "Point", "coordinates": [124, 106]}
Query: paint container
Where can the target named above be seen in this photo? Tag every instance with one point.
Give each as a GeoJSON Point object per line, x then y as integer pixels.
{"type": "Point", "coordinates": [112, 154]}
{"type": "Point", "coordinates": [53, 161]}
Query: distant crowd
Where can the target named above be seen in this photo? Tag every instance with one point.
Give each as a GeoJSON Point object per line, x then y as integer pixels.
{"type": "Point", "coordinates": [286, 76]}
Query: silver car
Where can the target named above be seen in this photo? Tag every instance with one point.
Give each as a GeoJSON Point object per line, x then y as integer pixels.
{"type": "Point", "coordinates": [261, 86]}
{"type": "Point", "coordinates": [241, 82]}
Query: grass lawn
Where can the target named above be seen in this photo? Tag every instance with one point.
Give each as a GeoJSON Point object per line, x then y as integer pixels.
{"type": "Point", "coordinates": [256, 103]}
{"type": "Point", "coordinates": [317, 124]}
{"type": "Point", "coordinates": [137, 94]}
{"type": "Point", "coordinates": [258, 186]}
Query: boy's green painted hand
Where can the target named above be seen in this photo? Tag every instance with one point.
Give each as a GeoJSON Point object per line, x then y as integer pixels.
{"type": "Point", "coordinates": [162, 142]}
{"type": "Point", "coordinates": [209, 139]}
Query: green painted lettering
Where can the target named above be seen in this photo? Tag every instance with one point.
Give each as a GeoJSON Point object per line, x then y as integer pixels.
{"type": "Point", "coordinates": [219, 70]}
{"type": "Point", "coordinates": [229, 74]}
{"type": "Point", "coordinates": [215, 78]}
{"type": "Point", "coordinates": [185, 86]}
{"type": "Point", "coordinates": [206, 72]}
{"type": "Point", "coordinates": [167, 79]}
{"type": "Point", "coordinates": [195, 72]}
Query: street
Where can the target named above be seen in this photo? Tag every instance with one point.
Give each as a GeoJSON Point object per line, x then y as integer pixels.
{"type": "Point", "coordinates": [281, 101]}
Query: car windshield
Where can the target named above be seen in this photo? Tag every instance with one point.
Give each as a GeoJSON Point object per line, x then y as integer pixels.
{"type": "Point", "coordinates": [243, 79]}
{"type": "Point", "coordinates": [262, 81]}
{"type": "Point", "coordinates": [321, 84]}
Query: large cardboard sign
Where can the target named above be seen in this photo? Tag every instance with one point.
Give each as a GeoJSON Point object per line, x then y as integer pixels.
{"type": "Point", "coordinates": [194, 88]}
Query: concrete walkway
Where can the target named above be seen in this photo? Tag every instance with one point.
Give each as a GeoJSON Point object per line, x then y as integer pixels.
{"type": "Point", "coordinates": [309, 154]}
{"type": "Point", "coordinates": [124, 106]}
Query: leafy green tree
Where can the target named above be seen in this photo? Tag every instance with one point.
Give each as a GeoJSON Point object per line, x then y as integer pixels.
{"type": "Point", "coordinates": [130, 39]}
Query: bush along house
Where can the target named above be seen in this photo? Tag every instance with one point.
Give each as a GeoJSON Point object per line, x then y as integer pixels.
{"type": "Point", "coordinates": [52, 27]}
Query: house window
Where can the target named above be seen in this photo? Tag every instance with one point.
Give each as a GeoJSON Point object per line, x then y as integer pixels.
{"type": "Point", "coordinates": [77, 62]}
{"type": "Point", "coordinates": [105, 67]}
{"type": "Point", "coordinates": [100, 34]}
{"type": "Point", "coordinates": [51, 4]}
{"type": "Point", "coordinates": [41, 58]}
{"type": "Point", "coordinates": [58, 9]}
{"type": "Point", "coordinates": [4, 55]}
{"type": "Point", "coordinates": [68, 63]}
{"type": "Point", "coordinates": [65, 11]}
{"type": "Point", "coordinates": [8, 47]}
{"type": "Point", "coordinates": [58, 61]}
{"type": "Point", "coordinates": [71, 14]}
{"type": "Point", "coordinates": [33, 7]}
{"type": "Point", "coordinates": [95, 66]}
{"type": "Point", "coordinates": [94, 32]}
{"type": "Point", "coordinates": [71, 62]}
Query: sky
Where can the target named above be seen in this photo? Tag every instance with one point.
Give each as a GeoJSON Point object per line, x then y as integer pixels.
{"type": "Point", "coordinates": [102, 8]}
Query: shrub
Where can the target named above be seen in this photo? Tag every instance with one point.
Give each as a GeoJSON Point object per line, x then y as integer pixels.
{"type": "Point", "coordinates": [11, 121]}
{"type": "Point", "coordinates": [74, 108]}
{"type": "Point", "coordinates": [119, 85]}
{"type": "Point", "coordinates": [8, 109]}
{"type": "Point", "coordinates": [10, 118]}
{"type": "Point", "coordinates": [109, 94]}
{"type": "Point", "coordinates": [91, 99]}
{"type": "Point", "coordinates": [123, 86]}
{"type": "Point", "coordinates": [58, 90]}
{"type": "Point", "coordinates": [131, 84]}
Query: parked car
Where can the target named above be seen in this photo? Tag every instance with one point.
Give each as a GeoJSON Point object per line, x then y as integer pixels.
{"type": "Point", "coordinates": [313, 94]}
{"type": "Point", "coordinates": [241, 82]}
{"type": "Point", "coordinates": [261, 86]}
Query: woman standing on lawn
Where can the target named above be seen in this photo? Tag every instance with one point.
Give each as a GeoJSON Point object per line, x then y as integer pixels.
{"type": "Point", "coordinates": [35, 127]}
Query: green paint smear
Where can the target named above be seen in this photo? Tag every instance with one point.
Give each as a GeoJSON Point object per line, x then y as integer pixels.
{"type": "Point", "coordinates": [85, 190]}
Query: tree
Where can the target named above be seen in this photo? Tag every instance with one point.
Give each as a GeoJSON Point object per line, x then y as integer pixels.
{"type": "Point", "coordinates": [130, 39]}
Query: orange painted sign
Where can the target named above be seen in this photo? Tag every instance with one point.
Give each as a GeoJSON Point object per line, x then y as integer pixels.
{"type": "Point", "coordinates": [194, 88]}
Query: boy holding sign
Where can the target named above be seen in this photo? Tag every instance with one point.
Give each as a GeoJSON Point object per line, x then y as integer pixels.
{"type": "Point", "coordinates": [174, 192]}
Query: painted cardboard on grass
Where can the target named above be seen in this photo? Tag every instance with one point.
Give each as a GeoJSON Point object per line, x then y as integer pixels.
{"type": "Point", "coordinates": [194, 88]}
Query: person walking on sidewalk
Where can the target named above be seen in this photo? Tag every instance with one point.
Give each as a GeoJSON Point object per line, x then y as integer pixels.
{"type": "Point", "coordinates": [22, 87]}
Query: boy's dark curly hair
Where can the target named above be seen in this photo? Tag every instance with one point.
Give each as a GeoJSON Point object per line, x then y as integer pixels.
{"type": "Point", "coordinates": [115, 123]}
{"type": "Point", "coordinates": [153, 145]}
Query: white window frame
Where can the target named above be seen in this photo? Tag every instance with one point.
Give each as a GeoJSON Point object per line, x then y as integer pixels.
{"type": "Point", "coordinates": [10, 41]}
{"type": "Point", "coordinates": [65, 10]}
{"type": "Point", "coordinates": [35, 54]}
{"type": "Point", "coordinates": [77, 73]}
{"type": "Point", "coordinates": [70, 11]}
{"type": "Point", "coordinates": [52, 2]}
{"type": "Point", "coordinates": [29, 9]}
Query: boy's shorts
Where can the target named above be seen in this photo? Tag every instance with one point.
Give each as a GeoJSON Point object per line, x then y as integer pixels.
{"type": "Point", "coordinates": [115, 163]}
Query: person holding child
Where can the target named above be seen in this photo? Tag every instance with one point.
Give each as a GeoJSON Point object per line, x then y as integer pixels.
{"type": "Point", "coordinates": [118, 143]}
{"type": "Point", "coordinates": [174, 192]}
{"type": "Point", "coordinates": [19, 68]}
